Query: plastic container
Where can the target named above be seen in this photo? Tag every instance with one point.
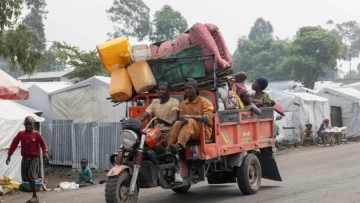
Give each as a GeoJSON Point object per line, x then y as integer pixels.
{"type": "Point", "coordinates": [115, 54]}
{"type": "Point", "coordinates": [140, 53]}
{"type": "Point", "coordinates": [120, 85]}
{"type": "Point", "coordinates": [25, 186]}
{"type": "Point", "coordinates": [141, 76]}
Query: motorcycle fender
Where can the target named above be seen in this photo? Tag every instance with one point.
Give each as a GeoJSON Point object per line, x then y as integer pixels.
{"type": "Point", "coordinates": [116, 170]}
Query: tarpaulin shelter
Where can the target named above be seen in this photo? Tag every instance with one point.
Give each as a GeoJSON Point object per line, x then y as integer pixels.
{"type": "Point", "coordinates": [86, 102]}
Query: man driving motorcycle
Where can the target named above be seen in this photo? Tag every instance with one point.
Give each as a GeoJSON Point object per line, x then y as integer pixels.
{"type": "Point", "coordinates": [167, 109]}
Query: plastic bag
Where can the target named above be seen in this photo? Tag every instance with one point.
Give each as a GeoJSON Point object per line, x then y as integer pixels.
{"type": "Point", "coordinates": [68, 186]}
{"type": "Point", "coordinates": [8, 185]}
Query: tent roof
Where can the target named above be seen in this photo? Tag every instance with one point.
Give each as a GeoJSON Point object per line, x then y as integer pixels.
{"type": "Point", "coordinates": [353, 85]}
{"type": "Point", "coordinates": [47, 87]}
{"type": "Point", "coordinates": [309, 97]}
{"type": "Point", "coordinates": [10, 110]}
{"type": "Point", "coordinates": [304, 89]}
{"type": "Point", "coordinates": [96, 80]}
{"type": "Point", "coordinates": [350, 94]}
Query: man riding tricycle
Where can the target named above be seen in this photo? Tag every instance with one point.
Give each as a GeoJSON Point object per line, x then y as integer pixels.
{"type": "Point", "coordinates": [221, 147]}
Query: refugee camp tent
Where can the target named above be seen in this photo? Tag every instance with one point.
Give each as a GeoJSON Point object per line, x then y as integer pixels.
{"type": "Point", "coordinates": [329, 84]}
{"type": "Point", "coordinates": [40, 99]}
{"type": "Point", "coordinates": [303, 89]}
{"type": "Point", "coordinates": [344, 108]}
{"type": "Point", "coordinates": [353, 85]}
{"type": "Point", "coordinates": [86, 102]}
{"type": "Point", "coordinates": [313, 110]}
{"type": "Point", "coordinates": [12, 116]}
{"type": "Point", "coordinates": [291, 106]}
{"type": "Point", "coordinates": [300, 109]}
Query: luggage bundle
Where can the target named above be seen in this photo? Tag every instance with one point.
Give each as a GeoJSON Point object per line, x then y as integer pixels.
{"type": "Point", "coordinates": [136, 69]}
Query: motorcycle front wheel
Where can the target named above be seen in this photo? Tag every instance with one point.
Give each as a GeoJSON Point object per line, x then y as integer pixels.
{"type": "Point", "coordinates": [117, 189]}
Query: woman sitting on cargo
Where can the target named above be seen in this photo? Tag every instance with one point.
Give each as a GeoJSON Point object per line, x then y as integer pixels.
{"type": "Point", "coordinates": [261, 98]}
{"type": "Point", "coordinates": [167, 109]}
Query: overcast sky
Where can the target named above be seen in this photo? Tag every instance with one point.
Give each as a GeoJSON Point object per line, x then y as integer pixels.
{"type": "Point", "coordinates": [84, 23]}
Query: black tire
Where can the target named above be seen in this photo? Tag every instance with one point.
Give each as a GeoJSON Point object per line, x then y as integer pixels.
{"type": "Point", "coordinates": [115, 185]}
{"type": "Point", "coordinates": [249, 175]}
{"type": "Point", "coordinates": [182, 189]}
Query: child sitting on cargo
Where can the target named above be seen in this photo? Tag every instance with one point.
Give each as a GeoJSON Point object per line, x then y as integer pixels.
{"type": "Point", "coordinates": [84, 174]}
{"type": "Point", "coordinates": [238, 82]}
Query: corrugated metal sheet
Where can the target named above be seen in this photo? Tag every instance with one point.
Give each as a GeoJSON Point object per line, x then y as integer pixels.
{"type": "Point", "coordinates": [109, 142]}
{"type": "Point", "coordinates": [61, 150]}
{"type": "Point", "coordinates": [71, 142]}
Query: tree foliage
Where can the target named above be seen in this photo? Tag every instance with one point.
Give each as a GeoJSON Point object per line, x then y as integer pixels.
{"type": "Point", "coordinates": [16, 39]}
{"type": "Point", "coordinates": [313, 52]}
{"type": "Point", "coordinates": [34, 20]}
{"type": "Point", "coordinates": [167, 23]}
{"type": "Point", "coordinates": [261, 30]}
{"type": "Point", "coordinates": [261, 54]}
{"type": "Point", "coordinates": [86, 64]}
{"type": "Point", "coordinates": [131, 18]}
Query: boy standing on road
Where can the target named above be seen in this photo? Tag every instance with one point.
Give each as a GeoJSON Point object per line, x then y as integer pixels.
{"type": "Point", "coordinates": [30, 151]}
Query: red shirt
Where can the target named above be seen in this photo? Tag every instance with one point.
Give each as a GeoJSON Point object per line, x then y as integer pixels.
{"type": "Point", "coordinates": [30, 142]}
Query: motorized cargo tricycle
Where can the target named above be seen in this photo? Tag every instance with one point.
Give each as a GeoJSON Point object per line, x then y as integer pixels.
{"type": "Point", "coordinates": [240, 150]}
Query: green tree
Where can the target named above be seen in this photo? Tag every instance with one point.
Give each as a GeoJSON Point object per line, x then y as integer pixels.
{"type": "Point", "coordinates": [313, 52]}
{"type": "Point", "coordinates": [86, 64]}
{"type": "Point", "coordinates": [349, 35]}
{"type": "Point", "coordinates": [262, 54]}
{"type": "Point", "coordinates": [167, 23]}
{"type": "Point", "coordinates": [131, 18]}
{"type": "Point", "coordinates": [261, 30]}
{"type": "Point", "coordinates": [34, 20]}
{"type": "Point", "coordinates": [16, 39]}
{"type": "Point", "coordinates": [52, 62]}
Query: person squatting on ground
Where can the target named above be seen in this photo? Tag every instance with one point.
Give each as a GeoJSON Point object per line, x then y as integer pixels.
{"type": "Point", "coordinates": [30, 151]}
{"type": "Point", "coordinates": [194, 110]}
{"type": "Point", "coordinates": [84, 173]}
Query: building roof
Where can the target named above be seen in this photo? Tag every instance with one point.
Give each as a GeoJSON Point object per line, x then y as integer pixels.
{"type": "Point", "coordinates": [96, 80]}
{"type": "Point", "coordinates": [43, 75]}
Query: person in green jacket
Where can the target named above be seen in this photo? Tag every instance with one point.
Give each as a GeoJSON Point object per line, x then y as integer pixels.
{"type": "Point", "coordinates": [84, 173]}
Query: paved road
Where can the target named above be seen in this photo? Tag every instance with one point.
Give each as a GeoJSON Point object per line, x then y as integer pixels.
{"type": "Point", "coordinates": [315, 175]}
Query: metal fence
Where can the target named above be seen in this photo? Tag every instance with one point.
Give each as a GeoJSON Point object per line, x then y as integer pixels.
{"type": "Point", "coordinates": [70, 142]}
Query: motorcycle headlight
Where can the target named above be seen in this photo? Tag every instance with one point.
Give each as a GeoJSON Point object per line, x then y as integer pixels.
{"type": "Point", "coordinates": [128, 138]}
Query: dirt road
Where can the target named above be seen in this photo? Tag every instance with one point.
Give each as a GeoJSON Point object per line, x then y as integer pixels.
{"type": "Point", "coordinates": [318, 175]}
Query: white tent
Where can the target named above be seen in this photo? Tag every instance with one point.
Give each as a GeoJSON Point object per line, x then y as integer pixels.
{"type": "Point", "coordinates": [291, 106]}
{"type": "Point", "coordinates": [353, 85]}
{"type": "Point", "coordinates": [303, 89]}
{"type": "Point", "coordinates": [313, 110]}
{"type": "Point", "coordinates": [300, 109]}
{"type": "Point", "coordinates": [86, 102]}
{"type": "Point", "coordinates": [329, 84]}
{"type": "Point", "coordinates": [39, 99]}
{"type": "Point", "coordinates": [284, 85]}
{"type": "Point", "coordinates": [12, 116]}
{"type": "Point", "coordinates": [347, 101]}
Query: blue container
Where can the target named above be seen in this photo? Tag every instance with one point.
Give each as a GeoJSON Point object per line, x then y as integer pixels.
{"type": "Point", "coordinates": [25, 186]}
